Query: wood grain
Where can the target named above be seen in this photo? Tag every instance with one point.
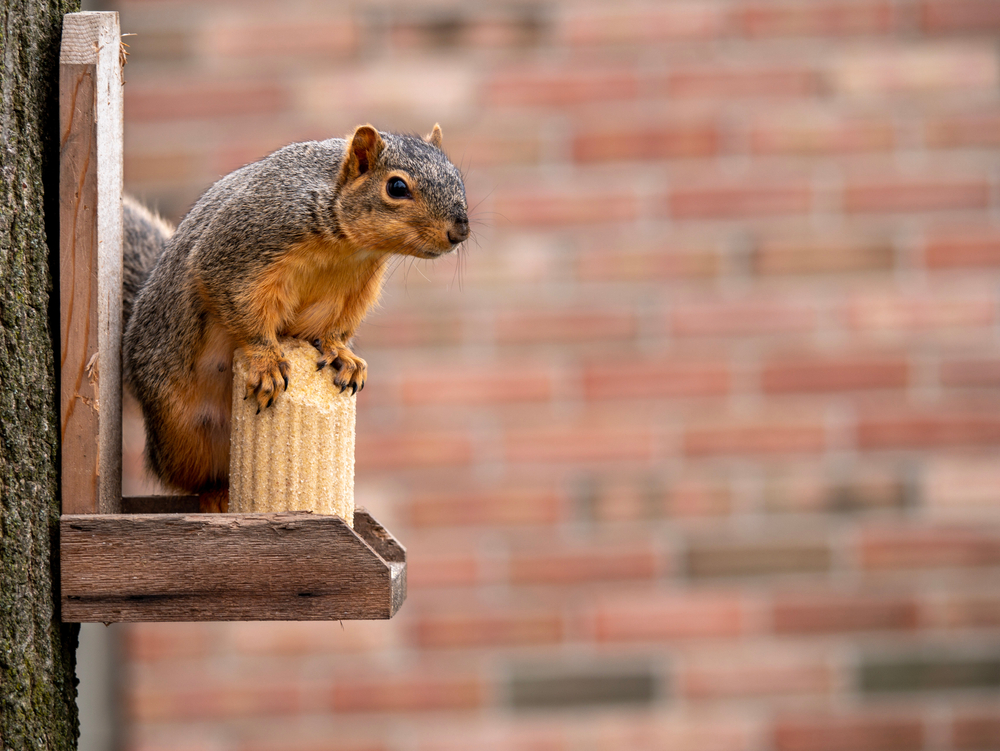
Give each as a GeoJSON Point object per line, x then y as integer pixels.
{"type": "Point", "coordinates": [187, 567]}
{"type": "Point", "coordinates": [90, 262]}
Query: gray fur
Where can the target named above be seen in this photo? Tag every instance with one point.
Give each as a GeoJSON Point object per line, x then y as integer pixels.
{"type": "Point", "coordinates": [241, 225]}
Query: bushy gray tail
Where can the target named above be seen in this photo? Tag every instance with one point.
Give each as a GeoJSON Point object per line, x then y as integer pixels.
{"type": "Point", "coordinates": [145, 235]}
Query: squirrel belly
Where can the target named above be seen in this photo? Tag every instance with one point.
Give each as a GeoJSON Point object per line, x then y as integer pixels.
{"type": "Point", "coordinates": [293, 245]}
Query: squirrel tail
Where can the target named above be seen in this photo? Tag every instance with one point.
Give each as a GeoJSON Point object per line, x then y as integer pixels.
{"type": "Point", "coordinates": [144, 236]}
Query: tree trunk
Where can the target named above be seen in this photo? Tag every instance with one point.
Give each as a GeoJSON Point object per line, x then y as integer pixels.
{"type": "Point", "coordinates": [37, 653]}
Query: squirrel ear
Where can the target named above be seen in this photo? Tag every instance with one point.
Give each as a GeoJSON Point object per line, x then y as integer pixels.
{"type": "Point", "coordinates": [365, 146]}
{"type": "Point", "coordinates": [434, 137]}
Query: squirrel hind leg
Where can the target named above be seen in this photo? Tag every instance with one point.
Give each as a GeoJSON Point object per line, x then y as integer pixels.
{"type": "Point", "coordinates": [189, 455]}
{"type": "Point", "coordinates": [214, 501]}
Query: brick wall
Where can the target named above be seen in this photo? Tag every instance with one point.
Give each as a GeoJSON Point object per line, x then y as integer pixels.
{"type": "Point", "coordinates": [695, 446]}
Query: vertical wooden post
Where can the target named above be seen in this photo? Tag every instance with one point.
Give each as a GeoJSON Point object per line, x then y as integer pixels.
{"type": "Point", "coordinates": [90, 262]}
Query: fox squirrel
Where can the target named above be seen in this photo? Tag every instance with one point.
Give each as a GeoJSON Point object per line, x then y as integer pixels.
{"type": "Point", "coordinates": [293, 245]}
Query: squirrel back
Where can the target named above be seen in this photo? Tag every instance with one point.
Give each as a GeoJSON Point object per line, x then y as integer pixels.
{"type": "Point", "coordinates": [295, 244]}
{"type": "Point", "coordinates": [145, 234]}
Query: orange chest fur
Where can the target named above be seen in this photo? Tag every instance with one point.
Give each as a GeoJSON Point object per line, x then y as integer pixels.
{"type": "Point", "coordinates": [318, 288]}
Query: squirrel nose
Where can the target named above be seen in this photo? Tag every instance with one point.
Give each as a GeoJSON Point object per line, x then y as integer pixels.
{"type": "Point", "coordinates": [459, 231]}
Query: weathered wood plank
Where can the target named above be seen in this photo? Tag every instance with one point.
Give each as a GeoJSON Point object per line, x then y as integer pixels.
{"type": "Point", "coordinates": [180, 567]}
{"type": "Point", "coordinates": [388, 548]}
{"type": "Point", "coordinates": [90, 262]}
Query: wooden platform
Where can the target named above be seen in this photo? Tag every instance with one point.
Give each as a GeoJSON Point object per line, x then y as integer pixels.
{"type": "Point", "coordinates": [198, 567]}
{"type": "Point", "coordinates": [155, 558]}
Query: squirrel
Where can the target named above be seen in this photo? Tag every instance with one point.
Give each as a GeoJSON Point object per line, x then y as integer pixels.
{"type": "Point", "coordinates": [295, 244]}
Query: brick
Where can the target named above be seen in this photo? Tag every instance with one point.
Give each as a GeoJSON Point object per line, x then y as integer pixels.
{"type": "Point", "coordinates": [693, 498]}
{"type": "Point", "coordinates": [638, 497]}
{"type": "Point", "coordinates": [559, 206]}
{"type": "Point", "coordinates": [741, 82]}
{"type": "Point", "coordinates": [824, 254]}
{"type": "Point", "coordinates": [509, 142]}
{"type": "Point", "coordinates": [212, 699]}
{"type": "Point", "coordinates": [916, 69]}
{"type": "Point", "coordinates": [509, 28]}
{"type": "Point", "coordinates": [497, 737]}
{"type": "Point", "coordinates": [677, 731]}
{"type": "Point", "coordinates": [190, 100]}
{"type": "Point", "coordinates": [775, 673]}
{"type": "Point", "coordinates": [710, 559]}
{"type": "Point", "coordinates": [410, 328]}
{"type": "Point", "coordinates": [459, 385]}
{"type": "Point", "coordinates": [916, 195]}
{"type": "Point", "coordinates": [637, 24]}
{"type": "Point", "coordinates": [352, 94]}
{"type": "Point", "coordinates": [961, 486]}
{"type": "Point", "coordinates": [929, 430]}
{"type": "Point", "coordinates": [172, 167]}
{"type": "Point", "coordinates": [659, 379]}
{"type": "Point", "coordinates": [456, 630]}
{"type": "Point", "coordinates": [568, 324]}
{"type": "Point", "coordinates": [318, 37]}
{"type": "Point", "coordinates": [808, 490]}
{"type": "Point", "coordinates": [156, 44]}
{"type": "Point", "coordinates": [508, 506]}
{"type": "Point", "coordinates": [665, 617]}
{"type": "Point", "coordinates": [427, 570]}
{"type": "Point", "coordinates": [581, 687]}
{"type": "Point", "coordinates": [842, 612]}
{"type": "Point", "coordinates": [291, 639]}
{"type": "Point", "coordinates": [929, 547]}
{"type": "Point", "coordinates": [742, 436]}
{"type": "Point", "coordinates": [964, 610]}
{"type": "Point", "coordinates": [582, 565]}
{"type": "Point", "coordinates": [155, 642]}
{"type": "Point", "coordinates": [640, 141]}
{"type": "Point", "coordinates": [292, 740]}
{"type": "Point", "coordinates": [963, 249]}
{"type": "Point", "coordinates": [855, 732]}
{"type": "Point", "coordinates": [738, 200]}
{"type": "Point", "coordinates": [924, 672]}
{"type": "Point", "coordinates": [584, 441]}
{"type": "Point", "coordinates": [837, 18]}
{"type": "Point", "coordinates": [557, 87]}
{"type": "Point", "coordinates": [629, 264]}
{"type": "Point", "coordinates": [407, 693]}
{"type": "Point", "coordinates": [179, 739]}
{"type": "Point", "coordinates": [944, 16]}
{"type": "Point", "coordinates": [821, 133]}
{"type": "Point", "coordinates": [418, 448]}
{"type": "Point", "coordinates": [974, 731]}
{"type": "Point", "coordinates": [963, 130]}
{"type": "Point", "coordinates": [750, 316]}
{"type": "Point", "coordinates": [847, 373]}
{"type": "Point", "coordinates": [893, 314]}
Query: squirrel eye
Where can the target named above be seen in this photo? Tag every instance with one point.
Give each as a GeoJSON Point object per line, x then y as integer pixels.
{"type": "Point", "coordinates": [397, 188]}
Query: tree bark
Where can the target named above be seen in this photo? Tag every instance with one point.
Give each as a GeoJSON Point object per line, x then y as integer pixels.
{"type": "Point", "coordinates": [37, 652]}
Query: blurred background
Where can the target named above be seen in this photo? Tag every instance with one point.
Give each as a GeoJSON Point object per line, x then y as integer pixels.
{"type": "Point", "coordinates": [694, 446]}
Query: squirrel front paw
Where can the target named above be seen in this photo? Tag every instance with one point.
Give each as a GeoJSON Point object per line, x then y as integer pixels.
{"type": "Point", "coordinates": [267, 375]}
{"type": "Point", "coordinates": [350, 371]}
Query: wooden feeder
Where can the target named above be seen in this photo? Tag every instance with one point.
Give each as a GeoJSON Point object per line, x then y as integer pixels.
{"type": "Point", "coordinates": [154, 558]}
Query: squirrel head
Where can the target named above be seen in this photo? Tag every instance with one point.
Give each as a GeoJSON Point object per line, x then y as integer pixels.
{"type": "Point", "coordinates": [400, 194]}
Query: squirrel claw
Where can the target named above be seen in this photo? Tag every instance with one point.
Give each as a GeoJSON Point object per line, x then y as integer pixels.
{"type": "Point", "coordinates": [267, 377]}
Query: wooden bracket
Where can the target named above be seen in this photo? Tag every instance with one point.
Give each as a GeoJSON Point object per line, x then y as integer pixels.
{"type": "Point", "coordinates": [180, 566]}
